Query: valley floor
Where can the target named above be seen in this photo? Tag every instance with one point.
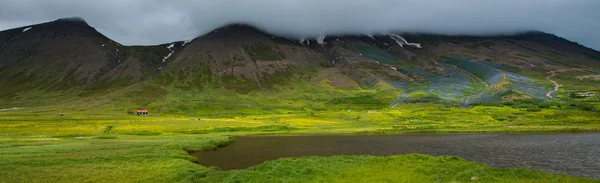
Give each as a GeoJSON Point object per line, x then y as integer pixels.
{"type": "Point", "coordinates": [163, 158]}
{"type": "Point", "coordinates": [39, 145]}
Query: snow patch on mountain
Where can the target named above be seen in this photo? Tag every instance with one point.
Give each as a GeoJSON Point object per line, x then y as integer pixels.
{"type": "Point", "coordinates": [26, 29]}
{"type": "Point", "coordinates": [170, 47]}
{"type": "Point", "coordinates": [186, 42]}
{"type": "Point", "coordinates": [321, 40]}
{"type": "Point", "coordinates": [371, 36]}
{"type": "Point", "coordinates": [167, 57]}
{"type": "Point", "coordinates": [117, 55]}
{"type": "Point", "coordinates": [401, 41]}
{"type": "Point", "coordinates": [303, 40]}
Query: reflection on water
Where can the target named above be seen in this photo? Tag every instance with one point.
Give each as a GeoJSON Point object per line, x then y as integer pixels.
{"type": "Point", "coordinates": [572, 154]}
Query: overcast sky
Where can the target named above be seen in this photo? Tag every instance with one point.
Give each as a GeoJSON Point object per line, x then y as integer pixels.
{"type": "Point", "coordinates": [143, 22]}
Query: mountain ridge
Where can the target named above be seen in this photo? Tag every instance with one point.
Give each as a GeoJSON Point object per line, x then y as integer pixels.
{"type": "Point", "coordinates": [70, 55]}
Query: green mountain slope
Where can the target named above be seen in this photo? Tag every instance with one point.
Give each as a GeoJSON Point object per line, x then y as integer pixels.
{"type": "Point", "coordinates": [66, 64]}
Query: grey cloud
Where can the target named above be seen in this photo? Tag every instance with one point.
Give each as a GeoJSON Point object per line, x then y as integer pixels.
{"type": "Point", "coordinates": [159, 21]}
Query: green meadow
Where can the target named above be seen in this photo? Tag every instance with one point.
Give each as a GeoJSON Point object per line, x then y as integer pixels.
{"type": "Point", "coordinates": [403, 168]}
{"type": "Point", "coordinates": [163, 158]}
{"type": "Point", "coordinates": [420, 118]}
{"type": "Point", "coordinates": [93, 134]}
{"type": "Point", "coordinates": [50, 145]}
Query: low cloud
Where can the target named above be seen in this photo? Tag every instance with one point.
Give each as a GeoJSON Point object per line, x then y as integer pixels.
{"type": "Point", "coordinates": [142, 22]}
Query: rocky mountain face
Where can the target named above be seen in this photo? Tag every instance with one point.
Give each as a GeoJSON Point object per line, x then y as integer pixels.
{"type": "Point", "coordinates": [68, 54]}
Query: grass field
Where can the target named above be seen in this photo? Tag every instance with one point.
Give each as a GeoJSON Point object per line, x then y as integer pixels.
{"type": "Point", "coordinates": [41, 145]}
{"type": "Point", "coordinates": [93, 136]}
{"type": "Point", "coordinates": [401, 118]}
{"type": "Point", "coordinates": [163, 158]}
{"type": "Point", "coordinates": [103, 158]}
{"type": "Point", "coordinates": [404, 168]}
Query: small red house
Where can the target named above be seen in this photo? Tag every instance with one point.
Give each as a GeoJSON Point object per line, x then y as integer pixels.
{"type": "Point", "coordinates": [142, 112]}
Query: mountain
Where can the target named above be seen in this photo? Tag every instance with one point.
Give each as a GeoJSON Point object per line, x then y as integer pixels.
{"type": "Point", "coordinates": [68, 63]}
{"type": "Point", "coordinates": [68, 53]}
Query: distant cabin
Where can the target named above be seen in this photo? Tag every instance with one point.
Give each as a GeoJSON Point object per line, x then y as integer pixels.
{"type": "Point", "coordinates": [142, 112]}
{"type": "Point", "coordinates": [586, 94]}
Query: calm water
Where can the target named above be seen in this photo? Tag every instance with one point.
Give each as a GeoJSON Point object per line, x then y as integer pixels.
{"type": "Point", "coordinates": [572, 154]}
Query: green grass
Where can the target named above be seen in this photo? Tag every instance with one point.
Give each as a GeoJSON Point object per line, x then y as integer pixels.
{"type": "Point", "coordinates": [163, 158]}
{"type": "Point", "coordinates": [570, 84]}
{"type": "Point", "coordinates": [331, 116]}
{"type": "Point", "coordinates": [404, 168]}
{"type": "Point", "coordinates": [87, 159]}
{"type": "Point", "coordinates": [109, 145]}
{"type": "Point", "coordinates": [91, 135]}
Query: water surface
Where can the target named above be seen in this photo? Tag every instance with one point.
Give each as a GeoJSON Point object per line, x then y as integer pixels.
{"type": "Point", "coordinates": [572, 154]}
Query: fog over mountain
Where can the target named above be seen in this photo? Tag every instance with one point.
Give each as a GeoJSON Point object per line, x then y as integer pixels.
{"type": "Point", "coordinates": [142, 22]}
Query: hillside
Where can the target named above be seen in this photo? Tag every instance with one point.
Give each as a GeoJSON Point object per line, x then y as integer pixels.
{"type": "Point", "coordinates": [66, 64]}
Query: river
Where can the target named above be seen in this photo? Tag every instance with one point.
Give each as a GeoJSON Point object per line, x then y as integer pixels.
{"type": "Point", "coordinates": [571, 154]}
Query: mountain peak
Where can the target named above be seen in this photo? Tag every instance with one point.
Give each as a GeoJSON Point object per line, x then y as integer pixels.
{"type": "Point", "coordinates": [73, 20]}
{"type": "Point", "coordinates": [70, 25]}
{"type": "Point", "coordinates": [239, 26]}
{"type": "Point", "coordinates": [235, 30]}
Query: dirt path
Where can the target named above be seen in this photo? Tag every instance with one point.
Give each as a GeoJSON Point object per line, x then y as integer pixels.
{"type": "Point", "coordinates": [556, 84]}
